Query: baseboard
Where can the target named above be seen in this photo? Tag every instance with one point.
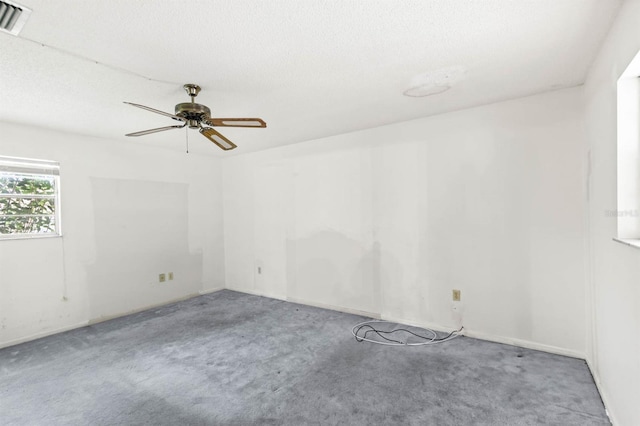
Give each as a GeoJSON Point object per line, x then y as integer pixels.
{"type": "Point", "coordinates": [524, 344]}
{"type": "Point", "coordinates": [603, 394]}
{"type": "Point", "coordinates": [308, 303]}
{"type": "Point", "coordinates": [491, 337]}
{"type": "Point", "coordinates": [145, 308]}
{"type": "Point", "coordinates": [258, 293]}
{"type": "Point", "coordinates": [334, 307]}
{"type": "Point", "coordinates": [42, 334]}
{"type": "Point", "coordinates": [429, 325]}
{"type": "Point", "coordinates": [210, 290]}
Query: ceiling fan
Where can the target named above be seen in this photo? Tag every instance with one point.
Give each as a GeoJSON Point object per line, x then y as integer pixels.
{"type": "Point", "coordinates": [198, 116]}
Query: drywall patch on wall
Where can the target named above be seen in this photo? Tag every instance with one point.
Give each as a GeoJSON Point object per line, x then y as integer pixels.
{"type": "Point", "coordinates": [334, 259]}
{"type": "Point", "coordinates": [273, 217]}
{"type": "Point", "coordinates": [141, 230]}
{"type": "Point", "coordinates": [333, 269]}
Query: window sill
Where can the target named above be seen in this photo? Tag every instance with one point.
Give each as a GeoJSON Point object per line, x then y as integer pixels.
{"type": "Point", "coordinates": [28, 237]}
{"type": "Point", "coordinates": [633, 242]}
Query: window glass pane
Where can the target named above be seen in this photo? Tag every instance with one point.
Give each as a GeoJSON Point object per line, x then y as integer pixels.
{"type": "Point", "coordinates": [27, 206]}
{"type": "Point", "coordinates": [27, 225]}
{"type": "Point", "coordinates": [20, 183]}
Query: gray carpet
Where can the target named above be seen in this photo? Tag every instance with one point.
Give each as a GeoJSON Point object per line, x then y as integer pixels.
{"type": "Point", "coordinates": [231, 358]}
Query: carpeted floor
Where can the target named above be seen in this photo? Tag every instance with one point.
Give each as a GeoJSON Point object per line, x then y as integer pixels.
{"type": "Point", "coordinates": [232, 358]}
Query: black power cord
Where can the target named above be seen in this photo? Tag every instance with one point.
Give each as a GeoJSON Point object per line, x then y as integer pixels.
{"type": "Point", "coordinates": [427, 340]}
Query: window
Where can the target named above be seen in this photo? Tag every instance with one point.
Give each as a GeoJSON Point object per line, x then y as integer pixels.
{"type": "Point", "coordinates": [29, 198]}
{"type": "Point", "coordinates": [627, 213]}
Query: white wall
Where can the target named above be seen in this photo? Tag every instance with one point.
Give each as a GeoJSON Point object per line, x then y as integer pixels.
{"type": "Point", "coordinates": [129, 212]}
{"type": "Point", "coordinates": [389, 220]}
{"type": "Point", "coordinates": [614, 346]}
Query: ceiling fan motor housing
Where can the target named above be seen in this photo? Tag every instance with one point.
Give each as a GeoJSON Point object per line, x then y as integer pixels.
{"type": "Point", "coordinates": [193, 112]}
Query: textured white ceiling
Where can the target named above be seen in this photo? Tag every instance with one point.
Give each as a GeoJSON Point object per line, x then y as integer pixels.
{"type": "Point", "coordinates": [309, 68]}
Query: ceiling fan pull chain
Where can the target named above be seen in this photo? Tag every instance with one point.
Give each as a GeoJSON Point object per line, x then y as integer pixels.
{"type": "Point", "coordinates": [187, 133]}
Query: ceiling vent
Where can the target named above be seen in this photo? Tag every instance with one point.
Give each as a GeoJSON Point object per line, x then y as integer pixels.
{"type": "Point", "coordinates": [12, 16]}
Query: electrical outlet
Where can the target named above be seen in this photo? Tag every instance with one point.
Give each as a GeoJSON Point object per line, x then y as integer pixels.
{"type": "Point", "coordinates": [162, 278]}
{"type": "Point", "coordinates": [455, 295]}
{"type": "Point", "coordinates": [170, 276]}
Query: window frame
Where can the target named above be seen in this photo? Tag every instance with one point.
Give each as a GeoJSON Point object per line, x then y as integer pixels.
{"type": "Point", "coordinates": [34, 167]}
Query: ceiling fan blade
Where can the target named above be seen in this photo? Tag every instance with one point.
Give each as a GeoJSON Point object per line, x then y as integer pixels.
{"type": "Point", "coordinates": [217, 138]}
{"type": "Point", "coordinates": [236, 122]}
{"type": "Point", "coordinates": [157, 111]}
{"type": "Point", "coordinates": [159, 129]}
